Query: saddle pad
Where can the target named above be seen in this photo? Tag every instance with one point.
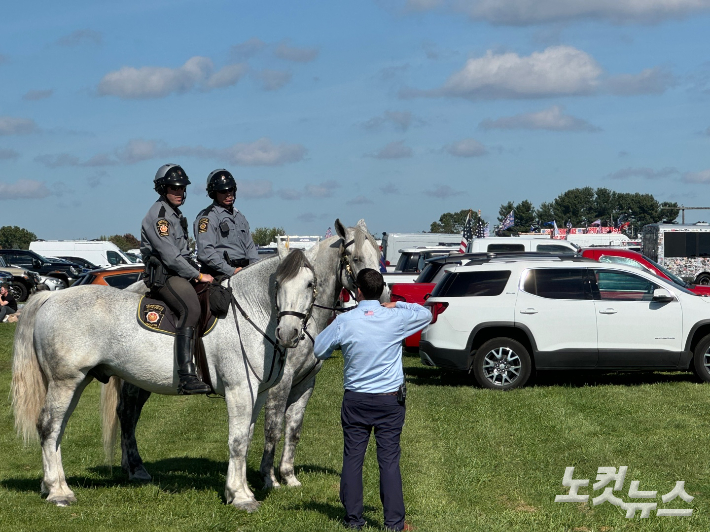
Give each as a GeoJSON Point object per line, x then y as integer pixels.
{"type": "Point", "coordinates": [156, 316]}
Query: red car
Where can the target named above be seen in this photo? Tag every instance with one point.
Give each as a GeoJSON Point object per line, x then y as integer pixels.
{"type": "Point", "coordinates": [637, 260]}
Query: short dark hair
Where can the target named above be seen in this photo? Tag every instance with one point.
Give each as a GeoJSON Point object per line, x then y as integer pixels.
{"type": "Point", "coordinates": [370, 283]}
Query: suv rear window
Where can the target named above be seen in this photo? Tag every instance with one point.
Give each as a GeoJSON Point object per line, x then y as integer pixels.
{"type": "Point", "coordinates": [408, 262]}
{"type": "Point", "coordinates": [554, 248]}
{"type": "Point", "coordinates": [472, 284]}
{"type": "Point", "coordinates": [557, 283]}
{"type": "Point", "coordinates": [505, 247]}
{"type": "Point", "coordinates": [121, 281]}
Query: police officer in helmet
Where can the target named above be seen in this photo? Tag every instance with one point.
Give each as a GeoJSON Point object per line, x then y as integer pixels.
{"type": "Point", "coordinates": [170, 269]}
{"type": "Point", "coordinates": [224, 243]}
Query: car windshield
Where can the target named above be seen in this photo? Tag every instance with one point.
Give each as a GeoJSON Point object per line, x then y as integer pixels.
{"type": "Point", "coordinates": [674, 278]}
{"type": "Point", "coordinates": [429, 271]}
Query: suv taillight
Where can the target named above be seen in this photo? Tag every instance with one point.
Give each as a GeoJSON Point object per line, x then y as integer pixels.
{"type": "Point", "coordinates": [397, 297]}
{"type": "Point", "coordinates": [436, 307]}
{"type": "Point", "coordinates": [344, 295]}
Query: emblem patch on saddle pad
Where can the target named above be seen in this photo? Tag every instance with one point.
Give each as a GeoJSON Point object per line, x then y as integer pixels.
{"type": "Point", "coordinates": [155, 315]}
{"type": "Point", "coordinates": [163, 227]}
{"type": "Point", "coordinates": [202, 225]}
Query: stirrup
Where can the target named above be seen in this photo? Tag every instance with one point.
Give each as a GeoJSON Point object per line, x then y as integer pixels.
{"type": "Point", "coordinates": [191, 385]}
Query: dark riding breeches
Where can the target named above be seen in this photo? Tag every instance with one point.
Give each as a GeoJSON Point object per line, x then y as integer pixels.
{"type": "Point", "coordinates": [180, 296]}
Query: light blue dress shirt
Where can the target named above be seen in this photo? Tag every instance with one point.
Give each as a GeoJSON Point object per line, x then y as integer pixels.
{"type": "Point", "coordinates": [370, 337]}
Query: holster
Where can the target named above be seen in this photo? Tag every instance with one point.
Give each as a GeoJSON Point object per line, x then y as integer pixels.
{"type": "Point", "coordinates": [156, 274]}
{"type": "Point", "coordinates": [402, 393]}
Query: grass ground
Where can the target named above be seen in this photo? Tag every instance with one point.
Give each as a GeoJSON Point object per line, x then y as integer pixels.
{"type": "Point", "coordinates": [472, 459]}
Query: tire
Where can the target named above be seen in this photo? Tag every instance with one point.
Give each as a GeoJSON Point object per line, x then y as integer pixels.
{"type": "Point", "coordinates": [701, 359]}
{"type": "Point", "coordinates": [502, 364]}
{"type": "Point", "coordinates": [703, 278]}
{"type": "Point", "coordinates": [18, 291]}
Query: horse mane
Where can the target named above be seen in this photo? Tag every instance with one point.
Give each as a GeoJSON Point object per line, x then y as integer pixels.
{"type": "Point", "coordinates": [361, 236]}
{"type": "Point", "coordinates": [291, 264]}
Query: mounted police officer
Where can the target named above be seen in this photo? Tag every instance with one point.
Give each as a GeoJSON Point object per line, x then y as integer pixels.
{"type": "Point", "coordinates": [224, 243]}
{"type": "Point", "coordinates": [170, 269]}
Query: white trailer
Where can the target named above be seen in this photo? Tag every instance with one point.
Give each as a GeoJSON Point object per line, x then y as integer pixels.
{"type": "Point", "coordinates": [683, 249]}
{"type": "Point", "coordinates": [99, 252]}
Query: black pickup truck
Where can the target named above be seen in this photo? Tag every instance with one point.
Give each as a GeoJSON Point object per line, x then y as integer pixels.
{"type": "Point", "coordinates": [60, 269]}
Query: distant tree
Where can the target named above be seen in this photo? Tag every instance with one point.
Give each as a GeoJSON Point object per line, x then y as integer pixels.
{"type": "Point", "coordinates": [669, 211]}
{"type": "Point", "coordinates": [263, 236]}
{"type": "Point", "coordinates": [524, 216]}
{"type": "Point", "coordinates": [452, 222]}
{"type": "Point", "coordinates": [13, 237]}
{"type": "Point", "coordinates": [124, 242]}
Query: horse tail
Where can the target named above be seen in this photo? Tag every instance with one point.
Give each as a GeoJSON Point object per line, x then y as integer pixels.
{"type": "Point", "coordinates": [29, 383]}
{"type": "Point", "coordinates": [110, 394]}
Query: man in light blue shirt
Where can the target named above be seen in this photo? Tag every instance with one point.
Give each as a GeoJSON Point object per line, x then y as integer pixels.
{"type": "Point", "coordinates": [370, 337]}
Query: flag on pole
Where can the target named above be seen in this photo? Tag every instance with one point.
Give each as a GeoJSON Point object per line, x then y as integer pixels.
{"type": "Point", "coordinates": [508, 221]}
{"type": "Point", "coordinates": [555, 231]}
{"type": "Point", "coordinates": [480, 229]}
{"type": "Point", "coordinates": [569, 229]}
{"type": "Point", "coordinates": [597, 222]}
{"type": "Point", "coordinates": [486, 231]}
{"type": "Point", "coordinates": [329, 233]}
{"type": "Point", "coordinates": [466, 234]}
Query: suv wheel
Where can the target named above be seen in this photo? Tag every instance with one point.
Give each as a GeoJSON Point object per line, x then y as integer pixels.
{"type": "Point", "coordinates": [502, 364]}
{"type": "Point", "coordinates": [18, 291]}
{"type": "Point", "coordinates": [701, 359]}
{"type": "Point", "coordinates": [703, 279]}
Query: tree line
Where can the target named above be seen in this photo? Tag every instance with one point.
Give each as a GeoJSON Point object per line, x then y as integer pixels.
{"type": "Point", "coordinates": [580, 207]}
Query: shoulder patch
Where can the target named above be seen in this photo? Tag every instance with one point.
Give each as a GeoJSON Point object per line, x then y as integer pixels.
{"type": "Point", "coordinates": [163, 227]}
{"type": "Point", "coordinates": [202, 225]}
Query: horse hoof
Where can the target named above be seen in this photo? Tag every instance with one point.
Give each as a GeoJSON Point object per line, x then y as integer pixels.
{"type": "Point", "coordinates": [292, 482]}
{"type": "Point", "coordinates": [247, 506]}
{"type": "Point", "coordinates": [140, 475]}
{"type": "Point", "coordinates": [271, 484]}
{"type": "Point", "coordinates": [61, 502]}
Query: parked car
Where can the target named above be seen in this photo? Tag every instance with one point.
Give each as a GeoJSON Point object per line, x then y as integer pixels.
{"type": "Point", "coordinates": [99, 252]}
{"type": "Point", "coordinates": [393, 243]}
{"type": "Point", "coordinates": [637, 260]}
{"type": "Point", "coordinates": [21, 282]}
{"type": "Point", "coordinates": [81, 261]}
{"type": "Point", "coordinates": [66, 271]}
{"type": "Point", "coordinates": [503, 319]}
{"type": "Point", "coordinates": [116, 276]}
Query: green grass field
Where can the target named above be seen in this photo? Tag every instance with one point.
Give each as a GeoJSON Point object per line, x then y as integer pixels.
{"type": "Point", "coordinates": [472, 459]}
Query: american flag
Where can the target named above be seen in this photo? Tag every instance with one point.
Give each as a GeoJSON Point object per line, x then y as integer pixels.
{"type": "Point", "coordinates": [466, 234]}
{"type": "Point", "coordinates": [480, 229]}
{"type": "Point", "coordinates": [597, 222]}
{"type": "Point", "coordinates": [508, 221]}
{"type": "Point", "coordinates": [329, 233]}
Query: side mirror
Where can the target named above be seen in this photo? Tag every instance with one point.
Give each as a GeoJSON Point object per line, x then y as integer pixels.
{"type": "Point", "coordinates": [36, 263]}
{"type": "Point", "coordinates": [661, 295]}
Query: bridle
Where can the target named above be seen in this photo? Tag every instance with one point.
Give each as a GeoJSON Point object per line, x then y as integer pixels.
{"type": "Point", "coordinates": [304, 316]}
{"type": "Point", "coordinates": [346, 267]}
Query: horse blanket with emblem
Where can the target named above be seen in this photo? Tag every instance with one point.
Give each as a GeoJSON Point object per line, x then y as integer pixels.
{"type": "Point", "coordinates": [155, 315]}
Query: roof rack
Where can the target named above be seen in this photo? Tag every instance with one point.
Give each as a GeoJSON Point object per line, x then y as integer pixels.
{"type": "Point", "coordinates": [470, 258]}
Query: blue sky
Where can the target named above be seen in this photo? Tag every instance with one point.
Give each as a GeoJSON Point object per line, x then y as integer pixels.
{"type": "Point", "coordinates": [394, 111]}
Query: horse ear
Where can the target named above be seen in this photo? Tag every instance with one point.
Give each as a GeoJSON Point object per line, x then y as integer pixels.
{"type": "Point", "coordinates": [311, 253]}
{"type": "Point", "coordinates": [282, 249]}
{"type": "Point", "coordinates": [340, 229]}
{"type": "Point", "coordinates": [362, 225]}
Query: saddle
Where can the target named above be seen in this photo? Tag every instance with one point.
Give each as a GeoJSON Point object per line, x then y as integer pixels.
{"type": "Point", "coordinates": [154, 315]}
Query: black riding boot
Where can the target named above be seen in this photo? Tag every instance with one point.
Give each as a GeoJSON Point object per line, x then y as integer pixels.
{"type": "Point", "coordinates": [189, 383]}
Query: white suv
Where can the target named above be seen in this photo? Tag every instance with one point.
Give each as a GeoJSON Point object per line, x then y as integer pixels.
{"type": "Point", "coordinates": [502, 319]}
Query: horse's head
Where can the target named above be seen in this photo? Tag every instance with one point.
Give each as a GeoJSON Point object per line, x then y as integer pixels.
{"type": "Point", "coordinates": [359, 250]}
{"type": "Point", "coordinates": [296, 289]}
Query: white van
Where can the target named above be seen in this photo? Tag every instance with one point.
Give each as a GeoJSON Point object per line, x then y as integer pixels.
{"type": "Point", "coordinates": [500, 244]}
{"type": "Point", "coordinates": [99, 252]}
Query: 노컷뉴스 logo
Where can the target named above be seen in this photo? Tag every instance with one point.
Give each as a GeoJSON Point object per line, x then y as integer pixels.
{"type": "Point", "coordinates": [605, 475]}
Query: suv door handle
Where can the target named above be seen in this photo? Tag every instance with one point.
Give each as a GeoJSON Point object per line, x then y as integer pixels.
{"type": "Point", "coordinates": [529, 311]}
{"type": "Point", "coordinates": [607, 311]}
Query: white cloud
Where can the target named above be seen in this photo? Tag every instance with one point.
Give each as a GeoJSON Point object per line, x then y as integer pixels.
{"type": "Point", "coordinates": [6, 155]}
{"type": "Point", "coordinates": [650, 81]}
{"type": "Point", "coordinates": [140, 150]}
{"type": "Point", "coordinates": [10, 125]}
{"type": "Point", "coordinates": [702, 177]}
{"type": "Point", "coordinates": [359, 200]}
{"type": "Point", "coordinates": [248, 48]}
{"type": "Point", "coordinates": [289, 194]}
{"type": "Point", "coordinates": [466, 148]}
{"type": "Point", "coordinates": [81, 37]}
{"type": "Point", "coordinates": [257, 189]}
{"type": "Point", "coordinates": [272, 80]}
{"type": "Point", "coordinates": [263, 152]}
{"type": "Point", "coordinates": [401, 120]}
{"type": "Point", "coordinates": [443, 192]}
{"type": "Point", "coordinates": [556, 71]}
{"type": "Point", "coordinates": [646, 173]}
{"type": "Point", "coordinates": [322, 190]}
{"type": "Point", "coordinates": [299, 55]}
{"type": "Point", "coordinates": [389, 188]}
{"type": "Point", "coordinates": [37, 95]}
{"type": "Point", "coordinates": [525, 12]}
{"type": "Point", "coordinates": [58, 160]}
{"type": "Point", "coordinates": [552, 119]}
{"type": "Point", "coordinates": [394, 150]}
{"type": "Point", "coordinates": [393, 72]}
{"type": "Point", "coordinates": [24, 189]}
{"type": "Point", "coordinates": [157, 82]}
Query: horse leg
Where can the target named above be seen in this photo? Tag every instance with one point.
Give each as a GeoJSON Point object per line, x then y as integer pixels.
{"type": "Point", "coordinates": [273, 421]}
{"type": "Point", "coordinates": [240, 410]}
{"type": "Point", "coordinates": [129, 410]}
{"type": "Point", "coordinates": [59, 404]}
{"type": "Point", "coordinates": [298, 399]}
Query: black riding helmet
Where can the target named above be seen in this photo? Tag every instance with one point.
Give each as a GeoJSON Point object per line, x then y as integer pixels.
{"type": "Point", "coordinates": [219, 181]}
{"type": "Point", "coordinates": [170, 174]}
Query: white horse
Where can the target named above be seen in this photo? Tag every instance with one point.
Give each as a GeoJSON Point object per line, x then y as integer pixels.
{"type": "Point", "coordinates": [65, 339]}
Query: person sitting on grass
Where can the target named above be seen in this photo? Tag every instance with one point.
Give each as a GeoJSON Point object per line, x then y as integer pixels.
{"type": "Point", "coordinates": [7, 302]}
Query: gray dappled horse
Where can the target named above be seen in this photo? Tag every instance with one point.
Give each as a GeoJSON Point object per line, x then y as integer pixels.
{"type": "Point", "coordinates": [66, 339]}
{"type": "Point", "coordinates": [287, 400]}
